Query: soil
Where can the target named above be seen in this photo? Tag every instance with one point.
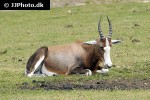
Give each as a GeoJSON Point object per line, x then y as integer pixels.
{"type": "Point", "coordinates": [117, 84]}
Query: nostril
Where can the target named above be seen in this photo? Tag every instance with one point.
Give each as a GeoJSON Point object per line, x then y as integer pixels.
{"type": "Point", "coordinates": [108, 66]}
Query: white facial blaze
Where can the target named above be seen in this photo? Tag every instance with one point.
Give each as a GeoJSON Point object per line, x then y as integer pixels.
{"type": "Point", "coordinates": [107, 60]}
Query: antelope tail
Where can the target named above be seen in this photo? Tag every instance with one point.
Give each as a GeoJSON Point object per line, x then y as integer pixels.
{"type": "Point", "coordinates": [36, 60]}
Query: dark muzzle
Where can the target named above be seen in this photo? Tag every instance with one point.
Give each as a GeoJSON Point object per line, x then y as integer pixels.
{"type": "Point", "coordinates": [107, 67]}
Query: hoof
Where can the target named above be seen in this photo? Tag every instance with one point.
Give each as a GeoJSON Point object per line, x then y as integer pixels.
{"type": "Point", "coordinates": [88, 73]}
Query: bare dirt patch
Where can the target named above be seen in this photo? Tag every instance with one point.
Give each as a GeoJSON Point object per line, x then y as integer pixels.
{"type": "Point", "coordinates": [117, 84]}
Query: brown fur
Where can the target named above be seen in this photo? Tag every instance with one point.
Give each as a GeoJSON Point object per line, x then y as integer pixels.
{"type": "Point", "coordinates": [94, 55]}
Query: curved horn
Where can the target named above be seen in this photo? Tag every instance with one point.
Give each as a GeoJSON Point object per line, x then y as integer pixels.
{"type": "Point", "coordinates": [99, 29]}
{"type": "Point", "coordinates": [110, 28]}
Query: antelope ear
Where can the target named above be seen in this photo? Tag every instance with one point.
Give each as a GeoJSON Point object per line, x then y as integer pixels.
{"type": "Point", "coordinates": [116, 41]}
{"type": "Point", "coordinates": [91, 42]}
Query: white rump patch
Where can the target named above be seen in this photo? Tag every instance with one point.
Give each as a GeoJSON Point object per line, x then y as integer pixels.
{"type": "Point", "coordinates": [36, 66]}
{"type": "Point", "coordinates": [91, 42]}
{"type": "Point", "coordinates": [46, 72]}
{"type": "Point", "coordinates": [38, 75]}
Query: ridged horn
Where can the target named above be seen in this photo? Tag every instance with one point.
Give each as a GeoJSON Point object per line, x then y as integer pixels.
{"type": "Point", "coordinates": [110, 28]}
{"type": "Point", "coordinates": [99, 29]}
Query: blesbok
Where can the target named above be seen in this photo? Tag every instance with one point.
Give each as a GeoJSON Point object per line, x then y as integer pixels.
{"type": "Point", "coordinates": [75, 58]}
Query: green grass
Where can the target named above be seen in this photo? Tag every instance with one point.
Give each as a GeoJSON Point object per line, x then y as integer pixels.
{"type": "Point", "coordinates": [79, 95]}
{"type": "Point", "coordinates": [22, 32]}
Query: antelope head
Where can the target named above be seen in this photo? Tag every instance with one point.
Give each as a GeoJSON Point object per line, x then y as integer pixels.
{"type": "Point", "coordinates": [106, 44]}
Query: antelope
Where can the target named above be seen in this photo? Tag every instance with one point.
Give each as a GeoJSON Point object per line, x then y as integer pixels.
{"type": "Point", "coordinates": [75, 58]}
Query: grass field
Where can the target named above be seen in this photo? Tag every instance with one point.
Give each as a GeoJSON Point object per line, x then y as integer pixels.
{"type": "Point", "coordinates": [22, 32]}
